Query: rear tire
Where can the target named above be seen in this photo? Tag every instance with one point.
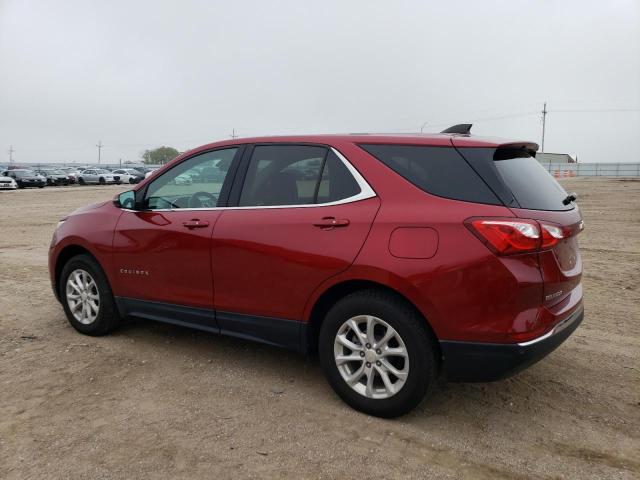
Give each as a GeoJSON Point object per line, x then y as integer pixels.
{"type": "Point", "coordinates": [84, 288]}
{"type": "Point", "coordinates": [81, 181]}
{"type": "Point", "coordinates": [409, 340]}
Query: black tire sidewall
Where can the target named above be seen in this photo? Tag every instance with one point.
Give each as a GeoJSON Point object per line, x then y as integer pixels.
{"type": "Point", "coordinates": [420, 348]}
{"type": "Point", "coordinates": [107, 315]}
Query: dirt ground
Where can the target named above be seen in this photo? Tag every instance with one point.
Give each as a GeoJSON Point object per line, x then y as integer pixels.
{"type": "Point", "coordinates": [160, 401]}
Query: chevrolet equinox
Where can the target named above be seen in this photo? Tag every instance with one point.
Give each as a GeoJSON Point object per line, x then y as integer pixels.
{"type": "Point", "coordinates": [396, 258]}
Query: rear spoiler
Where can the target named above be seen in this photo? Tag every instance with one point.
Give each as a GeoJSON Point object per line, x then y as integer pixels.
{"type": "Point", "coordinates": [460, 139]}
{"type": "Point", "coordinates": [530, 147]}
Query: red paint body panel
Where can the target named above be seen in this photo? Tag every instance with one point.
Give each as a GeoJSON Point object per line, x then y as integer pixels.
{"type": "Point", "coordinates": [561, 266]}
{"type": "Point", "coordinates": [90, 228]}
{"type": "Point", "coordinates": [413, 242]}
{"type": "Point", "coordinates": [175, 261]}
{"type": "Point", "coordinates": [268, 261]}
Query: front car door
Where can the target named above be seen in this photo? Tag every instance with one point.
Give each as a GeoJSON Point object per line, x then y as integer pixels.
{"type": "Point", "coordinates": [300, 216]}
{"type": "Point", "coordinates": [163, 252]}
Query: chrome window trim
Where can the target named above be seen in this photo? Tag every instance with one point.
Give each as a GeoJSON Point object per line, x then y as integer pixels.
{"type": "Point", "coordinates": [365, 192]}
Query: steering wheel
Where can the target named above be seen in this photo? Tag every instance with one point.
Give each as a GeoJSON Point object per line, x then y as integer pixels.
{"type": "Point", "coordinates": [203, 200]}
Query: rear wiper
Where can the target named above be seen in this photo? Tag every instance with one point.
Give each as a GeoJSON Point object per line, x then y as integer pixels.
{"type": "Point", "coordinates": [572, 197]}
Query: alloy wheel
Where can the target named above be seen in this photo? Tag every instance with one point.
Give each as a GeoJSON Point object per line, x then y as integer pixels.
{"type": "Point", "coordinates": [83, 296]}
{"type": "Point", "coordinates": [371, 357]}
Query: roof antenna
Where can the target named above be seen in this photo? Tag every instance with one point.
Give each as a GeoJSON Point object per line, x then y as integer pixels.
{"type": "Point", "coordinates": [461, 128]}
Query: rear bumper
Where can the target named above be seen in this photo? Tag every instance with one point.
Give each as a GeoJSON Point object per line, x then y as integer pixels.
{"type": "Point", "coordinates": [487, 362]}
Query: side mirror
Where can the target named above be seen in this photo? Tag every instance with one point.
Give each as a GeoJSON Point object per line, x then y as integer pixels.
{"type": "Point", "coordinates": [126, 200]}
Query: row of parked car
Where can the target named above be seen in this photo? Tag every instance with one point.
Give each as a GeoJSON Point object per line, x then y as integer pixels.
{"type": "Point", "coordinates": [22, 177]}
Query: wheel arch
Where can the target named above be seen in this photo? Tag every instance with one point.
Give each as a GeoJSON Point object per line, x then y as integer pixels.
{"type": "Point", "coordinates": [66, 254]}
{"type": "Point", "coordinates": [340, 290]}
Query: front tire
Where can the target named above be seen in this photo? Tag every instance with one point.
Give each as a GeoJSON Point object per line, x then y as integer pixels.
{"type": "Point", "coordinates": [86, 297]}
{"type": "Point", "coordinates": [102, 181]}
{"type": "Point", "coordinates": [377, 353]}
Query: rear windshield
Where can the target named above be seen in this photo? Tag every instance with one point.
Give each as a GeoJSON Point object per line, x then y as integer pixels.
{"type": "Point", "coordinates": [532, 186]}
{"type": "Point", "coordinates": [441, 171]}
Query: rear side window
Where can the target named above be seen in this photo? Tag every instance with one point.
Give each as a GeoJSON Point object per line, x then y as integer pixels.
{"type": "Point", "coordinates": [337, 182]}
{"type": "Point", "coordinates": [441, 171]}
{"type": "Point", "coordinates": [280, 175]}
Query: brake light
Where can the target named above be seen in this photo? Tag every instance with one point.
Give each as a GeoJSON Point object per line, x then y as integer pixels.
{"type": "Point", "coordinates": [510, 237]}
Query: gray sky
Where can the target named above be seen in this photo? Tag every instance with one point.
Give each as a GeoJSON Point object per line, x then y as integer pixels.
{"type": "Point", "coordinates": [139, 74]}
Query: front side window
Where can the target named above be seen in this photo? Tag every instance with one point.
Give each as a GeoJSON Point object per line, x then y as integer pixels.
{"type": "Point", "coordinates": [280, 175]}
{"type": "Point", "coordinates": [194, 183]}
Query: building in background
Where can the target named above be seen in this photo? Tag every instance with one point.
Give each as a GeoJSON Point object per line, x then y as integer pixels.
{"type": "Point", "coordinates": [556, 158]}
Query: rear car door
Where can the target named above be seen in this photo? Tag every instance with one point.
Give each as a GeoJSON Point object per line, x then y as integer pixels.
{"type": "Point", "coordinates": [300, 215]}
{"type": "Point", "coordinates": [163, 250]}
{"type": "Point", "coordinates": [89, 176]}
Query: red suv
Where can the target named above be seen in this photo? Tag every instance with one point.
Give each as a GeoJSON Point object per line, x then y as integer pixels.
{"type": "Point", "coordinates": [395, 258]}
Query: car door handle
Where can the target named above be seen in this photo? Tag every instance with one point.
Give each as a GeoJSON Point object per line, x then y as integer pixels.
{"type": "Point", "coordinates": [195, 223]}
{"type": "Point", "coordinates": [328, 223]}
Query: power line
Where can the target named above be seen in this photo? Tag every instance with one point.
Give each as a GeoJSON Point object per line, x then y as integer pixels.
{"type": "Point", "coordinates": [597, 110]}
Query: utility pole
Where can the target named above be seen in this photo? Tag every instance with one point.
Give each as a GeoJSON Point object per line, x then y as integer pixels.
{"type": "Point", "coordinates": [99, 145]}
{"type": "Point", "coordinates": [11, 150]}
{"type": "Point", "coordinates": [544, 121]}
{"type": "Point", "coordinates": [422, 127]}
{"type": "Point", "coordinates": [233, 133]}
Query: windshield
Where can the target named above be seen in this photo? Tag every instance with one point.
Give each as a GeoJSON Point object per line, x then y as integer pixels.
{"type": "Point", "coordinates": [24, 173]}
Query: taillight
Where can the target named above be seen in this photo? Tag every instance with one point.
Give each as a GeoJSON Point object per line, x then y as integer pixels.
{"type": "Point", "coordinates": [551, 235]}
{"type": "Point", "coordinates": [513, 236]}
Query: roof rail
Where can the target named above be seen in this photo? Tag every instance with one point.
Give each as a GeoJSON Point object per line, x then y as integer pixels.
{"type": "Point", "coordinates": [461, 128]}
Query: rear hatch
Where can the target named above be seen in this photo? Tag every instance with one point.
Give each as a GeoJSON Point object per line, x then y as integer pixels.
{"type": "Point", "coordinates": [530, 192]}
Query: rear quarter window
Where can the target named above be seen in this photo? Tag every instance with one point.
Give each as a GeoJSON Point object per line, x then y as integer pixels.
{"type": "Point", "coordinates": [441, 171]}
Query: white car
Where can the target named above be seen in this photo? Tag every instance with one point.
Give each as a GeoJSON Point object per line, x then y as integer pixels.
{"type": "Point", "coordinates": [183, 179]}
{"type": "Point", "coordinates": [150, 172]}
{"type": "Point", "coordinates": [128, 175]}
{"type": "Point", "coordinates": [97, 175]}
{"type": "Point", "coordinates": [7, 183]}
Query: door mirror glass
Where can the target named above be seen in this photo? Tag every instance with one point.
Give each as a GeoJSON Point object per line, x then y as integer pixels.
{"type": "Point", "coordinates": [126, 200]}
